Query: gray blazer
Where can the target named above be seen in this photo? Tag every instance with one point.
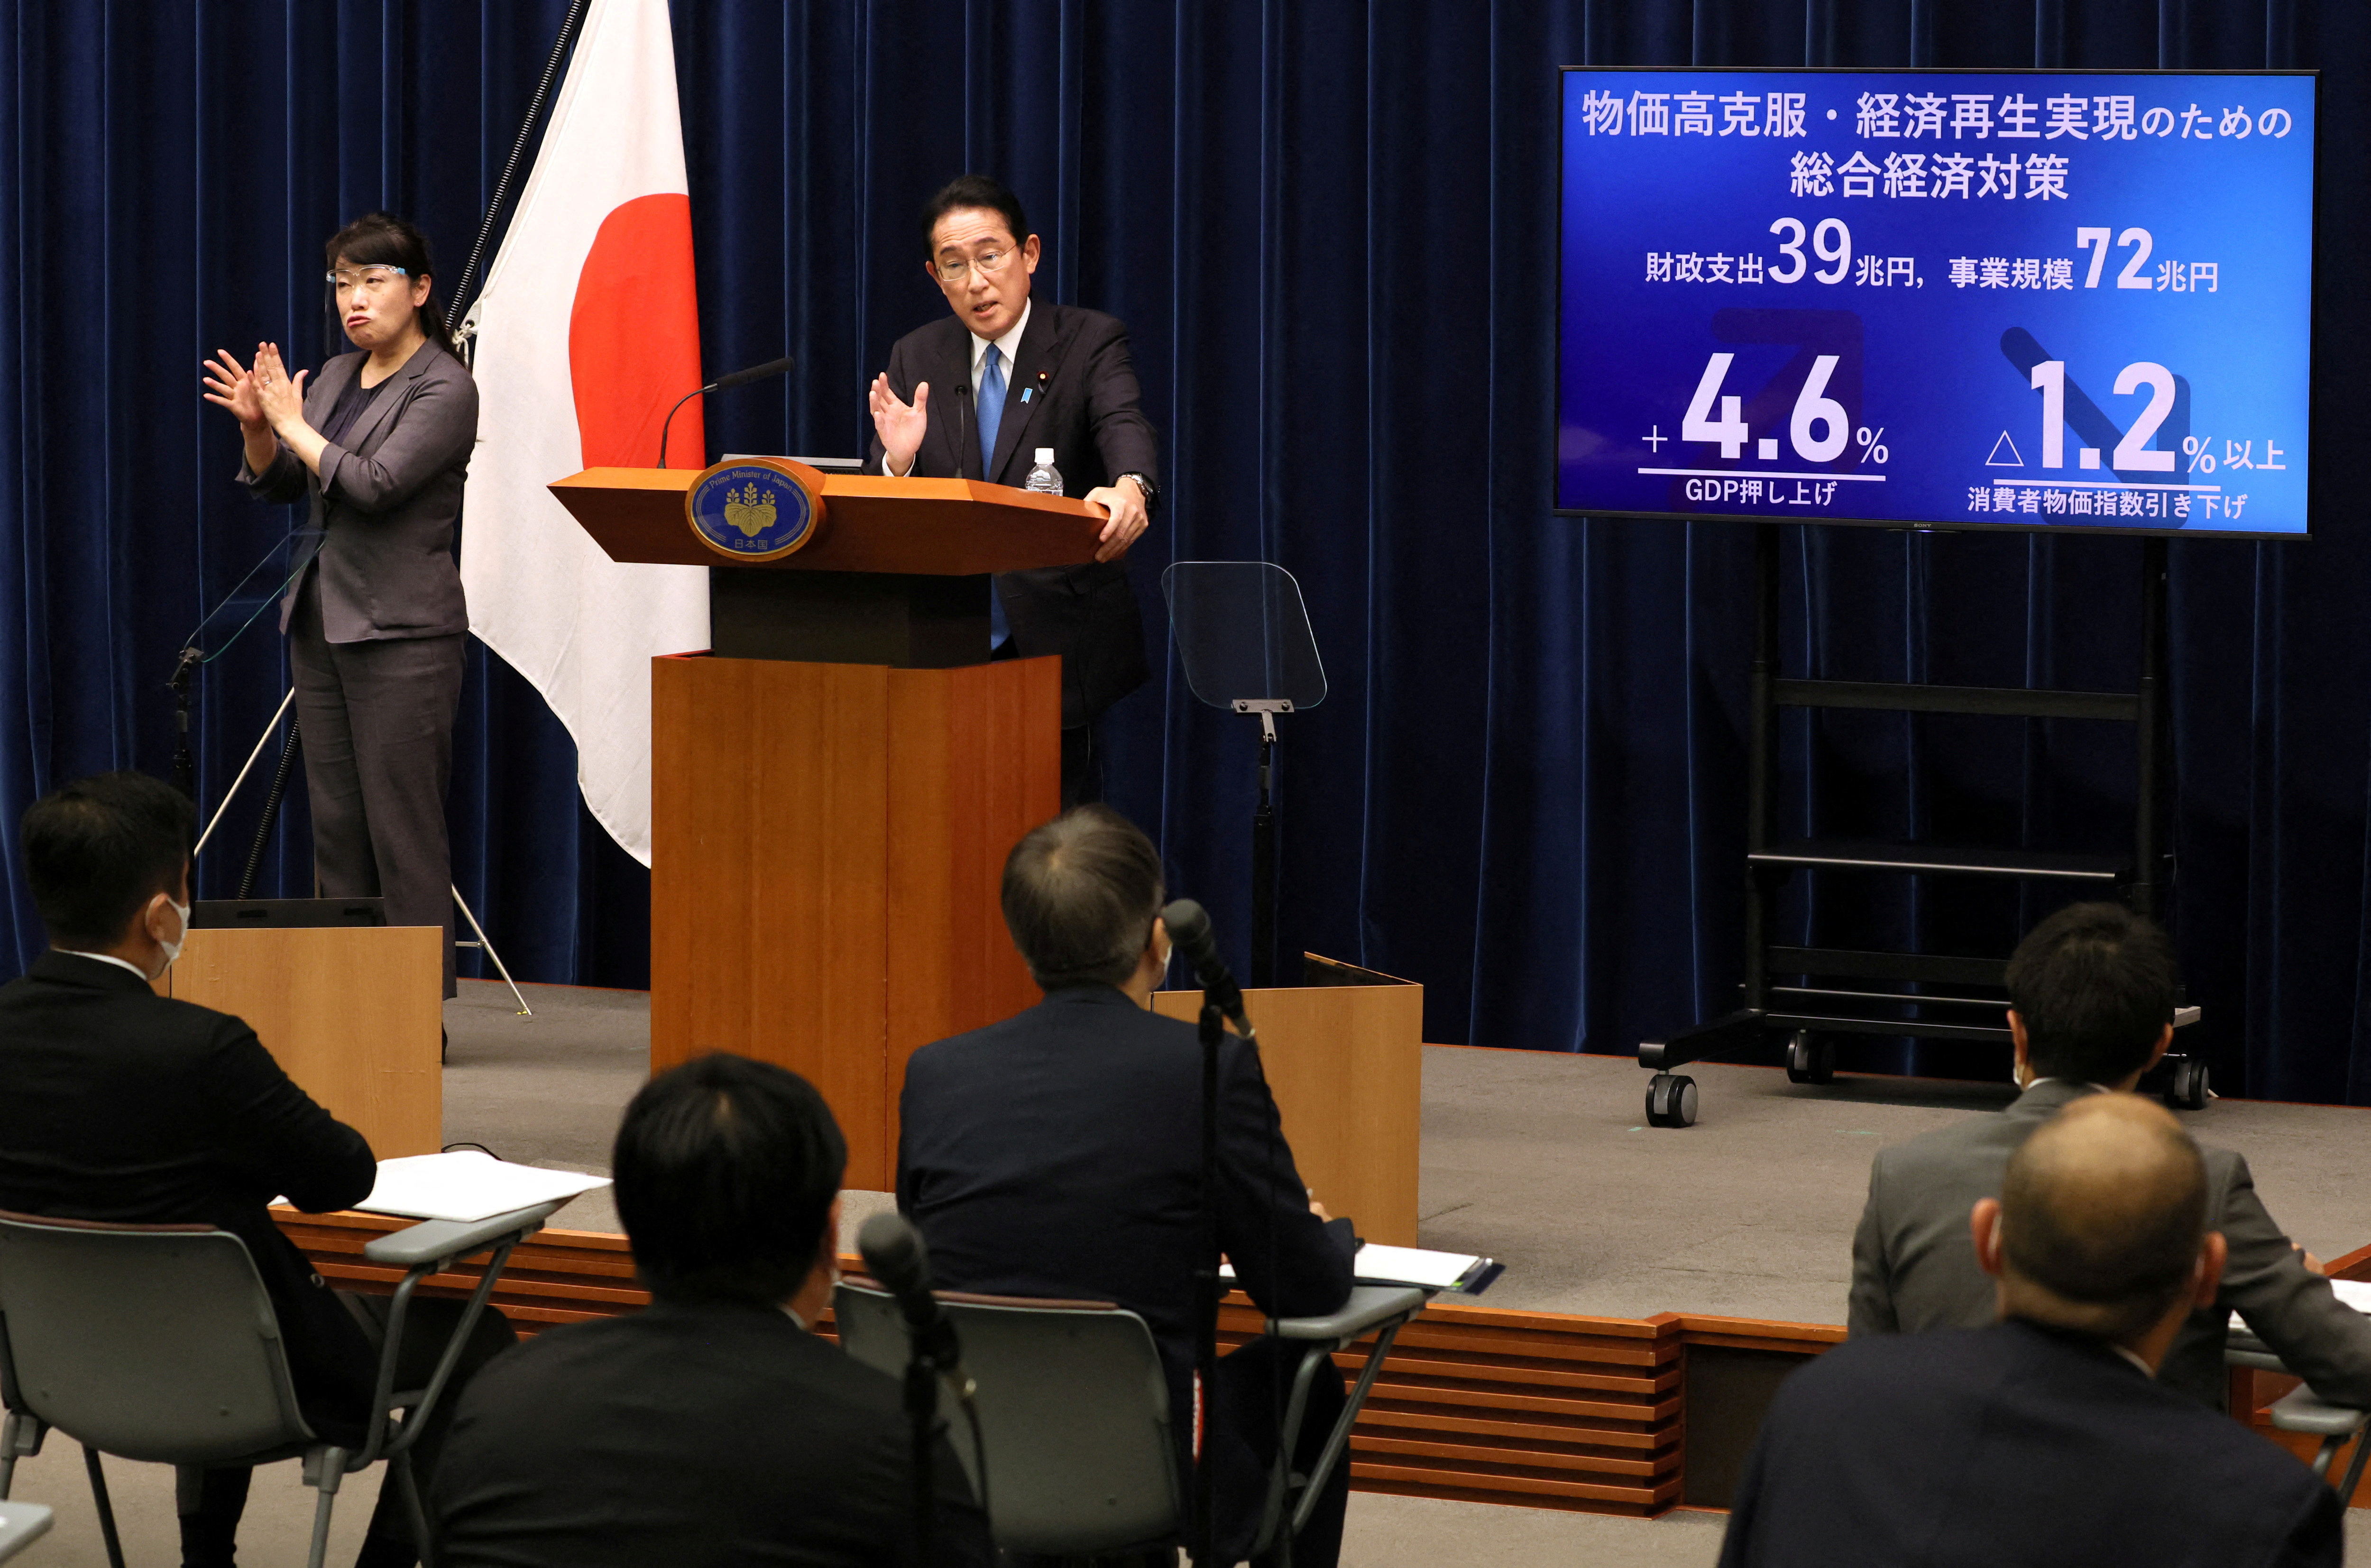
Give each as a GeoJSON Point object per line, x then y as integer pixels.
{"type": "Point", "coordinates": [386, 503]}
{"type": "Point", "coordinates": [1914, 1264]}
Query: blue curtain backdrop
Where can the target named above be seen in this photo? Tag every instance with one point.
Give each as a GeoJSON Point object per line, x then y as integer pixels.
{"type": "Point", "coordinates": [1331, 229]}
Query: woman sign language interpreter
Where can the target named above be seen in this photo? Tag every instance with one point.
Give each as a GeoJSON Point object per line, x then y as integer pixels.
{"type": "Point", "coordinates": [377, 442]}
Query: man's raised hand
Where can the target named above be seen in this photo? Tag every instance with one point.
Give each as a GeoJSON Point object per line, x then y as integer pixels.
{"type": "Point", "coordinates": [899, 424]}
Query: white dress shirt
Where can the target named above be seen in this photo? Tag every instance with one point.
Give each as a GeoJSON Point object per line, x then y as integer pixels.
{"type": "Point", "coordinates": [110, 958]}
{"type": "Point", "coordinates": [1009, 346]}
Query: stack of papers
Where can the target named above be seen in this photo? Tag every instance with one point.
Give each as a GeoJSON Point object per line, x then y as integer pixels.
{"type": "Point", "coordinates": [1379, 1264]}
{"type": "Point", "coordinates": [467, 1185]}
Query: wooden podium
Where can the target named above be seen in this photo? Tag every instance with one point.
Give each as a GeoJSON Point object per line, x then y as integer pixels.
{"type": "Point", "coordinates": [1344, 1056]}
{"type": "Point", "coordinates": [350, 1012]}
{"type": "Point", "coordinates": [835, 783]}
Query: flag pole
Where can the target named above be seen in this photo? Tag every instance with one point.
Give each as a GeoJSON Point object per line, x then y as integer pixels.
{"type": "Point", "coordinates": [459, 309]}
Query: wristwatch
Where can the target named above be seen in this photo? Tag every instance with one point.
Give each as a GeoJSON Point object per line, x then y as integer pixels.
{"type": "Point", "coordinates": [1151, 491]}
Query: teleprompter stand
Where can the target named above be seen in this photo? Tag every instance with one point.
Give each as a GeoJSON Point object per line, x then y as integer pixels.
{"type": "Point", "coordinates": [1812, 993]}
{"type": "Point", "coordinates": [1243, 633]}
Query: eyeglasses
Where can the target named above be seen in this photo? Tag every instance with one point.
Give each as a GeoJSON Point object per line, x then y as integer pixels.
{"type": "Point", "coordinates": [372, 278]}
{"type": "Point", "coordinates": [956, 271]}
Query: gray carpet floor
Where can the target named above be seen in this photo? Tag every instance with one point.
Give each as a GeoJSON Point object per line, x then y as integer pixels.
{"type": "Point", "coordinates": [1540, 1161]}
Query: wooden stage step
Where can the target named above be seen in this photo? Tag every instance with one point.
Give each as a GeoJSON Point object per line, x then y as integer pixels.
{"type": "Point", "coordinates": [1612, 1415]}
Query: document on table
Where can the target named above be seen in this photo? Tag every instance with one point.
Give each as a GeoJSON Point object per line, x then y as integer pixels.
{"type": "Point", "coordinates": [1379, 1264]}
{"type": "Point", "coordinates": [465, 1186]}
{"type": "Point", "coordinates": [2356, 1293]}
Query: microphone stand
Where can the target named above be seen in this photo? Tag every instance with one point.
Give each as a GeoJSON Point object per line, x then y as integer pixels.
{"type": "Point", "coordinates": [922, 1412]}
{"type": "Point", "coordinates": [185, 766]}
{"type": "Point", "coordinates": [1212, 1026]}
{"type": "Point", "coordinates": [271, 812]}
{"type": "Point", "coordinates": [721, 384]}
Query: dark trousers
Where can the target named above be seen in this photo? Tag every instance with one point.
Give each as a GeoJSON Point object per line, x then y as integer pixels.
{"type": "Point", "coordinates": [377, 722]}
{"type": "Point", "coordinates": [1254, 1384]}
{"type": "Point", "coordinates": [1083, 773]}
{"type": "Point", "coordinates": [211, 1501]}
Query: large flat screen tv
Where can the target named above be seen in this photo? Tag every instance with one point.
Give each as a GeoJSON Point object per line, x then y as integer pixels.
{"type": "Point", "coordinates": [1929, 298]}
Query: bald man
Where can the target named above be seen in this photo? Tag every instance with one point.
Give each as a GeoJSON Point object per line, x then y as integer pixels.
{"type": "Point", "coordinates": [2044, 1439]}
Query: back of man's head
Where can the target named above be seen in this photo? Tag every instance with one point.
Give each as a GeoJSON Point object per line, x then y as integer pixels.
{"type": "Point", "coordinates": [99, 848]}
{"type": "Point", "coordinates": [725, 1172]}
{"type": "Point", "coordinates": [2103, 1212]}
{"type": "Point", "coordinates": [1081, 894]}
{"type": "Point", "coordinates": [2095, 987]}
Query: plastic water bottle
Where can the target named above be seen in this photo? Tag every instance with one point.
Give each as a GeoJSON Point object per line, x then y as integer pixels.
{"type": "Point", "coordinates": [1044, 477]}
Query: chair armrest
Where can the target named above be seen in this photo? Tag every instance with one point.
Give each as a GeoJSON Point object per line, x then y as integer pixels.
{"type": "Point", "coordinates": [1369, 1307]}
{"type": "Point", "coordinates": [437, 1240]}
{"type": "Point", "coordinates": [2299, 1410]}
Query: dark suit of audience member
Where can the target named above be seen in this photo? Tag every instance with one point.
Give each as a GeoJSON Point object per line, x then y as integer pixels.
{"type": "Point", "coordinates": [1914, 1265]}
{"type": "Point", "coordinates": [2042, 1441]}
{"type": "Point", "coordinates": [126, 1106]}
{"type": "Point", "coordinates": [378, 449]}
{"type": "Point", "coordinates": [710, 1429]}
{"type": "Point", "coordinates": [1913, 1268]}
{"type": "Point", "coordinates": [1058, 1154]}
{"type": "Point", "coordinates": [1034, 373]}
{"type": "Point", "coordinates": [2019, 1446]}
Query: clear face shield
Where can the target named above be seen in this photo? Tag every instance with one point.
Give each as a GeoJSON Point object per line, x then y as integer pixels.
{"type": "Point", "coordinates": [375, 281]}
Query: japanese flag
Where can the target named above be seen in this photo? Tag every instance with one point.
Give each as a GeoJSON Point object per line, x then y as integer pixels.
{"type": "Point", "coordinates": [587, 330]}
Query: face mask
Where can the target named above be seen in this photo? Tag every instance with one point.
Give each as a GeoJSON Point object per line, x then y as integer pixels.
{"type": "Point", "coordinates": [173, 948]}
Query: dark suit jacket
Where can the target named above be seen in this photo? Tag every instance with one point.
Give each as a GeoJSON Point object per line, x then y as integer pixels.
{"type": "Point", "coordinates": [119, 1105]}
{"type": "Point", "coordinates": [1058, 1154]}
{"type": "Point", "coordinates": [1082, 402]}
{"type": "Point", "coordinates": [390, 499]}
{"type": "Point", "coordinates": [1915, 1265]}
{"type": "Point", "coordinates": [690, 1434]}
{"type": "Point", "coordinates": [2018, 1447]}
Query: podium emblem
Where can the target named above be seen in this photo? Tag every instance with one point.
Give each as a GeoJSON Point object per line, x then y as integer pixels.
{"type": "Point", "coordinates": [755, 509]}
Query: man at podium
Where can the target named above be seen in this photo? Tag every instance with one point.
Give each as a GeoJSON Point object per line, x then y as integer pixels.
{"type": "Point", "coordinates": [977, 394]}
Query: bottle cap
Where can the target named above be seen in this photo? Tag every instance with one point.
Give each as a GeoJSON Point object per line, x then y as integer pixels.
{"type": "Point", "coordinates": [1045, 454]}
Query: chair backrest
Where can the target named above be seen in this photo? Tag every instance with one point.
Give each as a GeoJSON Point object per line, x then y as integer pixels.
{"type": "Point", "coordinates": [1073, 1414]}
{"type": "Point", "coordinates": [151, 1341]}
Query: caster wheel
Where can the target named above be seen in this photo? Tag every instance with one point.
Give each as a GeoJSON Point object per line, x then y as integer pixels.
{"type": "Point", "coordinates": [1671, 1101]}
{"type": "Point", "coordinates": [2187, 1091]}
{"type": "Point", "coordinates": [1809, 1060]}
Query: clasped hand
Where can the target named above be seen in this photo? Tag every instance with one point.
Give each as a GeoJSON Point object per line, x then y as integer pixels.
{"type": "Point", "coordinates": [262, 396]}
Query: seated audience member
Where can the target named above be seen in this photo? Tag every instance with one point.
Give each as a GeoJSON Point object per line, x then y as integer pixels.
{"type": "Point", "coordinates": [1058, 1154]}
{"type": "Point", "coordinates": [710, 1428]}
{"type": "Point", "coordinates": [2091, 993]}
{"type": "Point", "coordinates": [2043, 1440]}
{"type": "Point", "coordinates": [118, 1104]}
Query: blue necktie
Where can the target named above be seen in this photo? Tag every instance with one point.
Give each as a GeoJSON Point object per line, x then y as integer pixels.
{"type": "Point", "coordinates": [991, 409]}
{"type": "Point", "coordinates": [992, 414]}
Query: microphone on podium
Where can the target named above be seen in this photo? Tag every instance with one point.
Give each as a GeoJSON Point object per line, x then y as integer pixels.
{"type": "Point", "coordinates": [1189, 929]}
{"type": "Point", "coordinates": [724, 384]}
{"type": "Point", "coordinates": [783, 366]}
